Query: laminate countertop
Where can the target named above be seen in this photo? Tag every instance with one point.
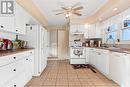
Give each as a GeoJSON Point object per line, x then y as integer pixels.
{"type": "Point", "coordinates": [114, 49]}
{"type": "Point", "coordinates": [10, 52]}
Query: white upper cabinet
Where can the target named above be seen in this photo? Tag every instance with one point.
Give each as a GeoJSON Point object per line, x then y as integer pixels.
{"type": "Point", "coordinates": [7, 24]}
{"type": "Point", "coordinates": [15, 23]}
{"type": "Point", "coordinates": [77, 29]}
{"type": "Point", "coordinates": [98, 31]}
{"type": "Point", "coordinates": [93, 31]}
{"type": "Point", "coordinates": [20, 17]}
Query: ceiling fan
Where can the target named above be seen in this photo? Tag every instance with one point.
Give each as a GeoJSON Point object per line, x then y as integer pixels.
{"type": "Point", "coordinates": [68, 11]}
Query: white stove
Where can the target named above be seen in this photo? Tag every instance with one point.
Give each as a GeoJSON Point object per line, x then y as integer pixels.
{"type": "Point", "coordinates": [77, 55]}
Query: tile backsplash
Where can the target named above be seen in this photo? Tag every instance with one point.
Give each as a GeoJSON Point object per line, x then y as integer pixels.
{"type": "Point", "coordinates": [118, 45]}
{"type": "Point", "coordinates": [7, 35]}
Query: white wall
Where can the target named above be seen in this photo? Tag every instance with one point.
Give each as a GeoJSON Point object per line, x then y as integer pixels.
{"type": "Point", "coordinates": [117, 19]}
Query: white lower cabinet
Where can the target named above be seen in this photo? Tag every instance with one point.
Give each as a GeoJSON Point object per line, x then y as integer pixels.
{"type": "Point", "coordinates": [120, 68]}
{"type": "Point", "coordinates": [114, 65]}
{"type": "Point", "coordinates": [18, 72]}
{"type": "Point", "coordinates": [103, 61]}
{"type": "Point", "coordinates": [87, 55]}
{"type": "Point", "coordinates": [93, 58]}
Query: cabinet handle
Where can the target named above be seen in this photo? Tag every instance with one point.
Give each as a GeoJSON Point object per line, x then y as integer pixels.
{"type": "Point", "coordinates": [117, 55]}
{"type": "Point", "coordinates": [14, 70]}
{"type": "Point", "coordinates": [14, 57]}
{"type": "Point", "coordinates": [2, 26]}
{"type": "Point", "coordinates": [26, 59]}
{"type": "Point", "coordinates": [99, 53]}
{"type": "Point", "coordinates": [14, 85]}
{"type": "Point", "coordinates": [16, 30]}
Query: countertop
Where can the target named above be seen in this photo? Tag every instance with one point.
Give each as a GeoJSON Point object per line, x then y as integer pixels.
{"type": "Point", "coordinates": [114, 49]}
{"type": "Point", "coordinates": [10, 52]}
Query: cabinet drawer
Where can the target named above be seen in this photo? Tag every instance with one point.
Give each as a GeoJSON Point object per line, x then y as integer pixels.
{"type": "Point", "coordinates": [5, 60]}
{"type": "Point", "coordinates": [77, 61]}
{"type": "Point", "coordinates": [17, 81]}
{"type": "Point", "coordinates": [8, 72]}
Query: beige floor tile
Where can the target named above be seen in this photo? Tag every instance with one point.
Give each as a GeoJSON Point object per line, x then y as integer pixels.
{"type": "Point", "coordinates": [88, 86]}
{"type": "Point", "coordinates": [48, 86]}
{"type": "Point", "coordinates": [74, 83]}
{"type": "Point", "coordinates": [49, 83]}
{"type": "Point", "coordinates": [75, 86]}
{"type": "Point", "coordinates": [62, 83]}
{"type": "Point", "coordinates": [89, 83]}
{"type": "Point", "coordinates": [62, 86]}
{"type": "Point", "coordinates": [35, 86]}
{"type": "Point", "coordinates": [62, 74]}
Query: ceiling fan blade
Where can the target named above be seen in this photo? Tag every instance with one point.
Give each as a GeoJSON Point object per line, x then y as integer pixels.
{"type": "Point", "coordinates": [60, 13]}
{"type": "Point", "coordinates": [76, 4]}
{"type": "Point", "coordinates": [58, 10]}
{"type": "Point", "coordinates": [64, 8]}
{"type": "Point", "coordinates": [78, 8]}
{"type": "Point", "coordinates": [78, 14]}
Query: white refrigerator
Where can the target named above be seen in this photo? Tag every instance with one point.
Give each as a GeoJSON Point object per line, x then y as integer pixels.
{"type": "Point", "coordinates": [37, 38]}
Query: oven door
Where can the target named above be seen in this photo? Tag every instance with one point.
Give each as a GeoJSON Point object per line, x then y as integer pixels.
{"type": "Point", "coordinates": [77, 53]}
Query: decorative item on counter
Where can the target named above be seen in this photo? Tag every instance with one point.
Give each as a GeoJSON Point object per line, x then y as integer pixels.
{"type": "Point", "coordinates": [1, 43]}
{"type": "Point", "coordinates": [5, 44]}
{"type": "Point", "coordinates": [23, 44]}
{"type": "Point", "coordinates": [10, 45]}
{"type": "Point", "coordinates": [15, 45]}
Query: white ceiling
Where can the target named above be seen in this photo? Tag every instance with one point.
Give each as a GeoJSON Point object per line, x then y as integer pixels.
{"type": "Point", "coordinates": [48, 6]}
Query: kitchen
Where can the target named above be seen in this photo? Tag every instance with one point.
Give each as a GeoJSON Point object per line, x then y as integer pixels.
{"type": "Point", "coordinates": [65, 44]}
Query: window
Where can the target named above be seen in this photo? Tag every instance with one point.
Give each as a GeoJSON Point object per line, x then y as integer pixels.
{"type": "Point", "coordinates": [111, 31]}
{"type": "Point", "coordinates": [126, 34]}
{"type": "Point", "coordinates": [112, 35]}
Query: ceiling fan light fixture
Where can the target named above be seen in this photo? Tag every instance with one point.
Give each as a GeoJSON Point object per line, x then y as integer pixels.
{"type": "Point", "coordinates": [68, 14]}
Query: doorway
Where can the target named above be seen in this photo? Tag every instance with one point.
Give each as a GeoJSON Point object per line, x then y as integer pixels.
{"type": "Point", "coordinates": [59, 44]}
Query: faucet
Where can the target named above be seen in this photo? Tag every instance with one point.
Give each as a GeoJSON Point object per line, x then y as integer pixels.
{"type": "Point", "coordinates": [111, 38]}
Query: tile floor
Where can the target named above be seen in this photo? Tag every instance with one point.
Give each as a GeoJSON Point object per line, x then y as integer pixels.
{"type": "Point", "coordinates": [61, 74]}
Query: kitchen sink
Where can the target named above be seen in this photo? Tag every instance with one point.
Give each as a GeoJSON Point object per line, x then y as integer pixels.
{"type": "Point", "coordinates": [113, 48]}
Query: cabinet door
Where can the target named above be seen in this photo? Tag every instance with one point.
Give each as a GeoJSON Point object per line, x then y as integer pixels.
{"type": "Point", "coordinates": [81, 28]}
{"type": "Point", "coordinates": [119, 69]}
{"type": "Point", "coordinates": [7, 24]}
{"type": "Point", "coordinates": [6, 74]}
{"type": "Point", "coordinates": [92, 31]}
{"type": "Point", "coordinates": [93, 57]}
{"type": "Point", "coordinates": [73, 28]}
{"type": "Point", "coordinates": [17, 81]}
{"type": "Point", "coordinates": [103, 62]}
{"type": "Point", "coordinates": [20, 20]}
{"type": "Point", "coordinates": [98, 31]}
{"type": "Point", "coordinates": [87, 55]}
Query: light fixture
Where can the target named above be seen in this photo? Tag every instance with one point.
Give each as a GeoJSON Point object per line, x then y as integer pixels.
{"type": "Point", "coordinates": [68, 14]}
{"type": "Point", "coordinates": [100, 19]}
{"type": "Point", "coordinates": [86, 25]}
{"type": "Point", "coordinates": [115, 9]}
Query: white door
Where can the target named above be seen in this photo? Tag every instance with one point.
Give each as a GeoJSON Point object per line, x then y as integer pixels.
{"type": "Point", "coordinates": [63, 44]}
{"type": "Point", "coordinates": [53, 52]}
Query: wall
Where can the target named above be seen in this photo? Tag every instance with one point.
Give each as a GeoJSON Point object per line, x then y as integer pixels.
{"type": "Point", "coordinates": [33, 10]}
{"type": "Point", "coordinates": [59, 43]}
{"type": "Point", "coordinates": [117, 19]}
